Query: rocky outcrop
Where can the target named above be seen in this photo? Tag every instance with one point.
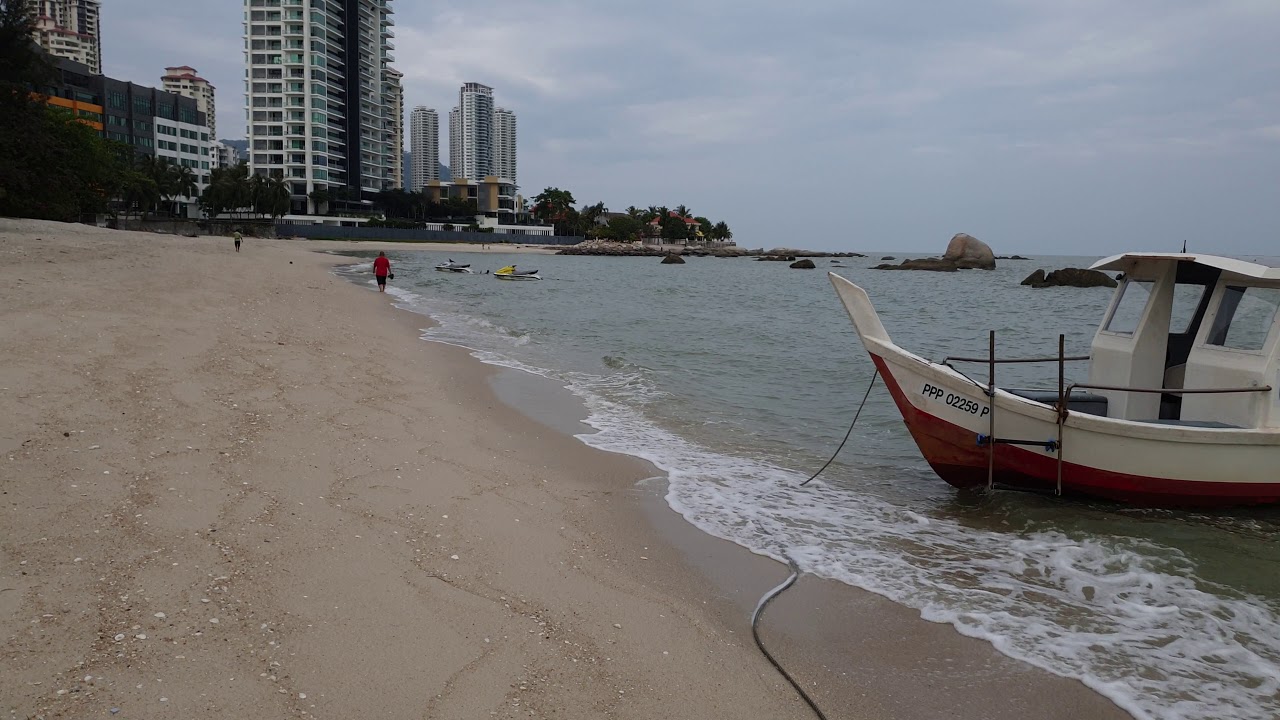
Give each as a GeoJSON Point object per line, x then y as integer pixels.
{"type": "Point", "coordinates": [608, 247]}
{"type": "Point", "coordinates": [888, 257]}
{"type": "Point", "coordinates": [933, 264]}
{"type": "Point", "coordinates": [1011, 257]}
{"type": "Point", "coordinates": [964, 252]}
{"type": "Point", "coordinates": [789, 252]}
{"type": "Point", "coordinates": [968, 252]}
{"type": "Point", "coordinates": [776, 258]}
{"type": "Point", "coordinates": [1069, 277]}
{"type": "Point", "coordinates": [805, 264]}
{"type": "Point", "coordinates": [672, 259]}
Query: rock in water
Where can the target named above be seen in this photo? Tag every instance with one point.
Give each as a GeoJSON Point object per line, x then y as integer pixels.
{"type": "Point", "coordinates": [967, 252]}
{"type": "Point", "coordinates": [1070, 277]}
{"type": "Point", "coordinates": [933, 264]}
{"type": "Point", "coordinates": [1035, 279]}
{"type": "Point", "coordinates": [672, 259]}
{"type": "Point", "coordinates": [805, 264]}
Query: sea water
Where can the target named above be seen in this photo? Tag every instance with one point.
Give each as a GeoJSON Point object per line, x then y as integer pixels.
{"type": "Point", "coordinates": [740, 378]}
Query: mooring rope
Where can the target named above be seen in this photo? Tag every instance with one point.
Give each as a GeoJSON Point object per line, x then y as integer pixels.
{"type": "Point", "coordinates": [755, 633]}
{"type": "Point", "coordinates": [862, 404]}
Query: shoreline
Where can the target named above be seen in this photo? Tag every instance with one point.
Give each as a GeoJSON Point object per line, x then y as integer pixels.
{"type": "Point", "coordinates": [935, 672]}
{"type": "Point", "coordinates": [329, 560]}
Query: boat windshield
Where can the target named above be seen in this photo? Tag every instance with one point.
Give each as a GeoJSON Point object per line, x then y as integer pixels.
{"type": "Point", "coordinates": [1133, 300]}
{"type": "Point", "coordinates": [1244, 318]}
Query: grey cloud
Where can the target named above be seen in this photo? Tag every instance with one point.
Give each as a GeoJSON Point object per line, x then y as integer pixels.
{"type": "Point", "coordinates": [1083, 126]}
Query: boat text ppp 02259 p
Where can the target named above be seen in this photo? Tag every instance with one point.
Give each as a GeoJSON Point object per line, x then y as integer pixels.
{"type": "Point", "coordinates": [1181, 407]}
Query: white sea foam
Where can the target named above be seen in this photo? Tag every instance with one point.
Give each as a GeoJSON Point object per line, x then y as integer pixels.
{"type": "Point", "coordinates": [1128, 617]}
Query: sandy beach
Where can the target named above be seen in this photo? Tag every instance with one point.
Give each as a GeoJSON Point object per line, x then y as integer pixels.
{"type": "Point", "coordinates": [236, 485]}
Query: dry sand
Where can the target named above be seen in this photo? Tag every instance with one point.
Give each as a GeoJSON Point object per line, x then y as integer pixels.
{"type": "Point", "coordinates": [237, 486]}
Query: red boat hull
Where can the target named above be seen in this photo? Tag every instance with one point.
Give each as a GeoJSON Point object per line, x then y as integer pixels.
{"type": "Point", "coordinates": [955, 455]}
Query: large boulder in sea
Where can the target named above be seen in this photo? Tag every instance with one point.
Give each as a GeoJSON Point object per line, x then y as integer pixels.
{"type": "Point", "coordinates": [967, 252]}
{"type": "Point", "coordinates": [803, 264]}
{"type": "Point", "coordinates": [672, 259]}
{"type": "Point", "coordinates": [1070, 277]}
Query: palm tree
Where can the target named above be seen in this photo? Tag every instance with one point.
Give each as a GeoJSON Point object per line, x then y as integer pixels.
{"type": "Point", "coordinates": [278, 196]}
{"type": "Point", "coordinates": [319, 198]}
{"type": "Point", "coordinates": [683, 211]}
{"type": "Point", "coordinates": [182, 183]}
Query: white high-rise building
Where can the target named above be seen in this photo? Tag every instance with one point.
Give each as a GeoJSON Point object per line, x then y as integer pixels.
{"type": "Point", "coordinates": [471, 133]}
{"type": "Point", "coordinates": [318, 100]}
{"type": "Point", "coordinates": [395, 91]}
{"type": "Point", "coordinates": [183, 80]}
{"type": "Point", "coordinates": [424, 143]}
{"type": "Point", "coordinates": [71, 29]}
{"type": "Point", "coordinates": [504, 144]}
{"type": "Point", "coordinates": [223, 155]}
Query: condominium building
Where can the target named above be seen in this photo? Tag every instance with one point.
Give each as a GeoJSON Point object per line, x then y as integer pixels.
{"type": "Point", "coordinates": [223, 155]}
{"type": "Point", "coordinates": [424, 143]}
{"type": "Point", "coordinates": [148, 121]}
{"type": "Point", "coordinates": [318, 100]}
{"type": "Point", "coordinates": [395, 91]}
{"type": "Point", "coordinates": [183, 80]}
{"type": "Point", "coordinates": [471, 132]}
{"type": "Point", "coordinates": [504, 144]}
{"type": "Point", "coordinates": [70, 29]}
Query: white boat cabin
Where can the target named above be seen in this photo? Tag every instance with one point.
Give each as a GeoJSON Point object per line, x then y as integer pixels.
{"type": "Point", "coordinates": [1187, 321]}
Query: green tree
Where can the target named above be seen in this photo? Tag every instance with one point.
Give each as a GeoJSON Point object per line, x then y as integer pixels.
{"type": "Point", "coordinates": [623, 229]}
{"type": "Point", "coordinates": [320, 199]}
{"type": "Point", "coordinates": [279, 196]}
{"type": "Point", "coordinates": [553, 204]}
{"type": "Point", "coordinates": [52, 165]}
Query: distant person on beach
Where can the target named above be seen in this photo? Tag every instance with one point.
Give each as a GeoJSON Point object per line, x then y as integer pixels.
{"type": "Point", "coordinates": [238, 237]}
{"type": "Point", "coordinates": [381, 269]}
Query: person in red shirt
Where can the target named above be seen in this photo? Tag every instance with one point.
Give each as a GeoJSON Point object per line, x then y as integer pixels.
{"type": "Point", "coordinates": [381, 269]}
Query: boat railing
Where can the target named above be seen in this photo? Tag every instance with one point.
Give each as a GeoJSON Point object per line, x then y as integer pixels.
{"type": "Point", "coordinates": [1170, 391]}
{"type": "Point", "coordinates": [1065, 391]}
{"type": "Point", "coordinates": [1002, 361]}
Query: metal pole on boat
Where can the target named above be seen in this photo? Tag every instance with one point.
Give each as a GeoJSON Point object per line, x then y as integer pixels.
{"type": "Point", "coordinates": [1062, 401]}
{"type": "Point", "coordinates": [991, 398]}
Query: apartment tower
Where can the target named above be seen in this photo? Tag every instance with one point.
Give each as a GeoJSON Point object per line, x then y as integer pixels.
{"type": "Point", "coordinates": [70, 29]}
{"type": "Point", "coordinates": [183, 80]}
{"type": "Point", "coordinates": [318, 98]}
{"type": "Point", "coordinates": [424, 143]}
{"type": "Point", "coordinates": [504, 144]}
{"type": "Point", "coordinates": [471, 133]}
{"type": "Point", "coordinates": [395, 91]}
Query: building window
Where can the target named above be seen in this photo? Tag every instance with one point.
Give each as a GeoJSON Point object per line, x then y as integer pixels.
{"type": "Point", "coordinates": [116, 100]}
{"type": "Point", "coordinates": [204, 137]}
{"type": "Point", "coordinates": [186, 115]}
{"type": "Point", "coordinates": [142, 105]}
{"type": "Point", "coordinates": [141, 125]}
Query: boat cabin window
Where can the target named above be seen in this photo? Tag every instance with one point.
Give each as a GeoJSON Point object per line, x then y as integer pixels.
{"type": "Point", "coordinates": [1244, 318]}
{"type": "Point", "coordinates": [1128, 310]}
{"type": "Point", "coordinates": [1186, 304]}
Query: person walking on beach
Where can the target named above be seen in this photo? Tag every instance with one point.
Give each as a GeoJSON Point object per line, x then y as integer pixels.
{"type": "Point", "coordinates": [237, 236]}
{"type": "Point", "coordinates": [381, 269]}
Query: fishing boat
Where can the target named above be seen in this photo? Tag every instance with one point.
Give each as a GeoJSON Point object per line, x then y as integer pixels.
{"type": "Point", "coordinates": [511, 273]}
{"type": "Point", "coordinates": [1180, 407]}
{"type": "Point", "coordinates": [453, 267]}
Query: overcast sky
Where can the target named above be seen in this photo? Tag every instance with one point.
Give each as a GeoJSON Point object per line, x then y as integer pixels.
{"type": "Point", "coordinates": [1039, 126]}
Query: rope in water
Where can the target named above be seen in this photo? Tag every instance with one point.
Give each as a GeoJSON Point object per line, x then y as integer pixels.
{"type": "Point", "coordinates": [755, 633]}
{"type": "Point", "coordinates": [795, 569]}
{"type": "Point", "coordinates": [862, 404]}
